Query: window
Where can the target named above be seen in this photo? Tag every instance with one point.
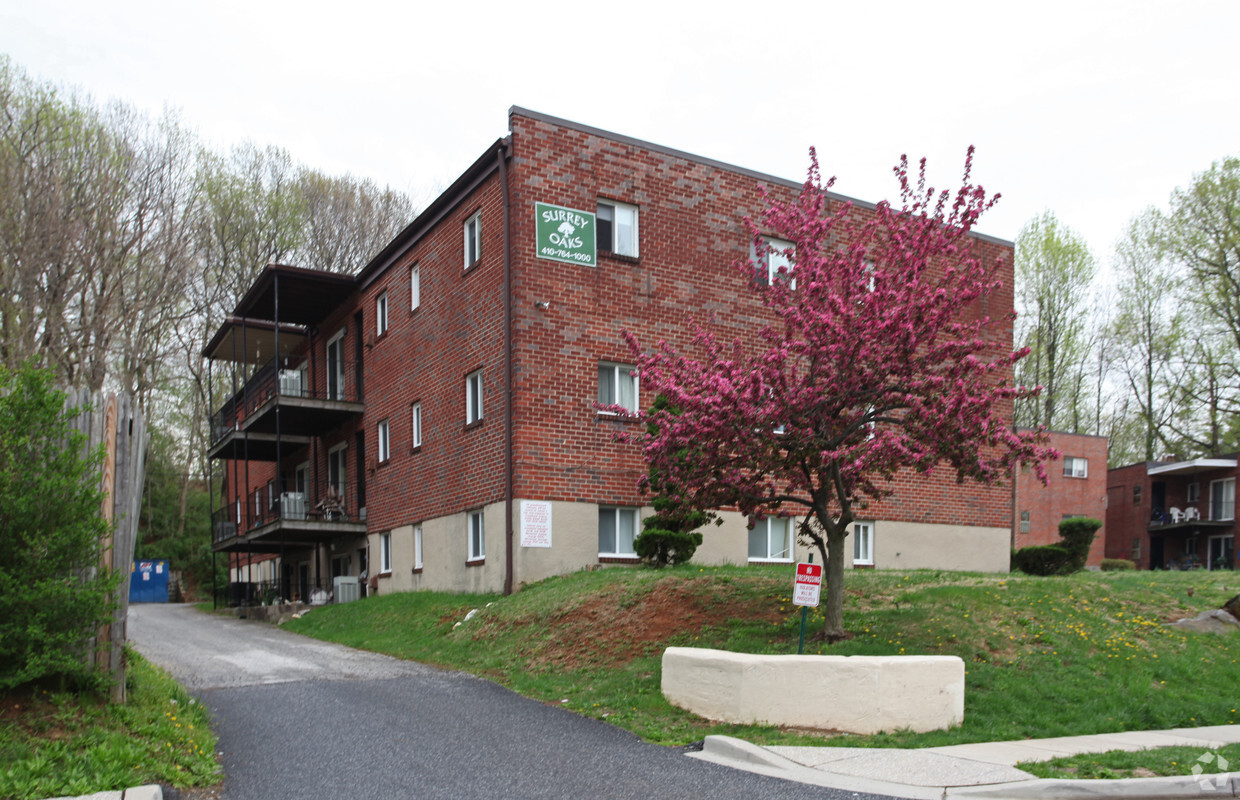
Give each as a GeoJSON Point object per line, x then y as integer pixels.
{"type": "Point", "coordinates": [335, 366]}
{"type": "Point", "coordinates": [1192, 493]}
{"type": "Point", "coordinates": [617, 528]}
{"type": "Point", "coordinates": [417, 547]}
{"type": "Point", "coordinates": [385, 441]}
{"type": "Point", "coordinates": [381, 314]}
{"type": "Point", "coordinates": [1075, 467]}
{"type": "Point", "coordinates": [477, 537]}
{"type": "Point", "coordinates": [778, 257]}
{"type": "Point", "coordinates": [417, 424]}
{"type": "Point", "coordinates": [473, 397]}
{"type": "Point", "coordinates": [863, 543]}
{"type": "Point", "coordinates": [617, 228]}
{"type": "Point", "coordinates": [473, 240]}
{"type": "Point", "coordinates": [617, 385]}
{"type": "Point", "coordinates": [770, 539]}
{"type": "Point", "coordinates": [385, 552]}
{"type": "Point", "coordinates": [415, 286]}
{"type": "Point", "coordinates": [1024, 522]}
{"type": "Point", "coordinates": [336, 469]}
{"type": "Point", "coordinates": [1223, 499]}
{"type": "Point", "coordinates": [1136, 495]}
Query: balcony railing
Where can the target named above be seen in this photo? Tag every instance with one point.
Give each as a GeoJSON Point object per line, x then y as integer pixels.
{"type": "Point", "coordinates": [266, 506]}
{"type": "Point", "coordinates": [314, 591]}
{"type": "Point", "coordinates": [285, 377]}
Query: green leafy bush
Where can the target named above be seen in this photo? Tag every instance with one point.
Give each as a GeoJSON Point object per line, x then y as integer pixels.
{"type": "Point", "coordinates": [663, 547]}
{"type": "Point", "coordinates": [1050, 559]}
{"type": "Point", "coordinates": [668, 537]}
{"type": "Point", "coordinates": [53, 592]}
{"type": "Point", "coordinates": [1117, 564]}
{"type": "Point", "coordinates": [1078, 536]}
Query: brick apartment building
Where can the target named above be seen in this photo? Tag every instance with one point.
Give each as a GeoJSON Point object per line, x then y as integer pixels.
{"type": "Point", "coordinates": [432, 421]}
{"type": "Point", "coordinates": [1076, 487]}
{"type": "Point", "coordinates": [1174, 514]}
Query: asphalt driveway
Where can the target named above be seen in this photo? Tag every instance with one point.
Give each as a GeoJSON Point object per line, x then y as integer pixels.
{"type": "Point", "coordinates": [299, 718]}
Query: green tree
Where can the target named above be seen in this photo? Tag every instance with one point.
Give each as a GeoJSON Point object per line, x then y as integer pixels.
{"type": "Point", "coordinates": [1148, 330]}
{"type": "Point", "coordinates": [1203, 236]}
{"type": "Point", "coordinates": [1054, 270]}
{"type": "Point", "coordinates": [53, 591]}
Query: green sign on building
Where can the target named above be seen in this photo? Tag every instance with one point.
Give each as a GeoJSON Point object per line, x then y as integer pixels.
{"type": "Point", "coordinates": [565, 234]}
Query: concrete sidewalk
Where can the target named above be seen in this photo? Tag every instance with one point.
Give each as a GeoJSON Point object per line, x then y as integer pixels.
{"type": "Point", "coordinates": [980, 771]}
{"type": "Point", "coordinates": [150, 792]}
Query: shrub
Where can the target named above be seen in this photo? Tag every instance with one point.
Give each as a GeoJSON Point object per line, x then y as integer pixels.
{"type": "Point", "coordinates": [668, 537]}
{"type": "Point", "coordinates": [53, 593]}
{"type": "Point", "coordinates": [1078, 536]}
{"type": "Point", "coordinates": [1117, 564]}
{"type": "Point", "coordinates": [662, 547]}
{"type": "Point", "coordinates": [1051, 559]}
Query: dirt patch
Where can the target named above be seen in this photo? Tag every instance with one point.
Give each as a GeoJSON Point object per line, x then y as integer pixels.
{"type": "Point", "coordinates": [618, 629]}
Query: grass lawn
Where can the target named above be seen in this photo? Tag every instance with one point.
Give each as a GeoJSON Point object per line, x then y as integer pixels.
{"type": "Point", "coordinates": [1045, 657]}
{"type": "Point", "coordinates": [53, 745]}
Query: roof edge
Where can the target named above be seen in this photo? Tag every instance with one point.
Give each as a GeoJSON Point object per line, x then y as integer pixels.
{"type": "Point", "coordinates": [710, 162]}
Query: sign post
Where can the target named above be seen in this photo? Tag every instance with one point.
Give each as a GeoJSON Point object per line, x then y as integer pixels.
{"type": "Point", "coordinates": [806, 590]}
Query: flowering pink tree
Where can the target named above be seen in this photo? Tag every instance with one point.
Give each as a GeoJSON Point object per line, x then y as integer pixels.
{"type": "Point", "coordinates": [877, 362]}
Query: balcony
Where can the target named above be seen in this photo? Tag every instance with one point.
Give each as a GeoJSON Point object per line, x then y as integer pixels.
{"type": "Point", "coordinates": [1202, 516]}
{"type": "Point", "coordinates": [283, 405]}
{"type": "Point", "coordinates": [267, 521]}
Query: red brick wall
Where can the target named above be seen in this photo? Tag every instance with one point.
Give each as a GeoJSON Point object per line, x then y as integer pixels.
{"type": "Point", "coordinates": [692, 231]}
{"type": "Point", "coordinates": [1047, 504]}
{"type": "Point", "coordinates": [691, 228]}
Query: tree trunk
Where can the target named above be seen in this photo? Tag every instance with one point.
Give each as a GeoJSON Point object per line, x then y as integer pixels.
{"type": "Point", "coordinates": [833, 626]}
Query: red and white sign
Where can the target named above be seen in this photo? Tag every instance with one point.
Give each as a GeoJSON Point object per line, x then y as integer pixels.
{"type": "Point", "coordinates": [808, 586]}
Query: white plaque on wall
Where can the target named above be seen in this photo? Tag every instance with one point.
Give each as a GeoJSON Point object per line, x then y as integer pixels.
{"type": "Point", "coordinates": [535, 523]}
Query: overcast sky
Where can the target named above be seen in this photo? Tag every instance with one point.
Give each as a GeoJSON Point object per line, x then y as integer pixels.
{"type": "Point", "coordinates": [1094, 110]}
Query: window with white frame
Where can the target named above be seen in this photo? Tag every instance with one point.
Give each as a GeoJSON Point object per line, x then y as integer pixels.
{"type": "Point", "coordinates": [385, 552]}
{"type": "Point", "coordinates": [617, 228]}
{"type": "Point", "coordinates": [417, 547]}
{"type": "Point", "coordinates": [863, 543]}
{"type": "Point", "coordinates": [778, 256]}
{"type": "Point", "coordinates": [477, 536]}
{"type": "Point", "coordinates": [473, 239]}
{"type": "Point", "coordinates": [1075, 467]}
{"type": "Point", "coordinates": [1223, 499]}
{"type": "Point", "coordinates": [617, 385]}
{"type": "Point", "coordinates": [473, 397]}
{"type": "Point", "coordinates": [617, 528]}
{"type": "Point", "coordinates": [384, 431]}
{"type": "Point", "coordinates": [1024, 522]}
{"type": "Point", "coordinates": [381, 314]}
{"type": "Point", "coordinates": [415, 286]}
{"type": "Point", "coordinates": [770, 539]}
{"type": "Point", "coordinates": [417, 424]}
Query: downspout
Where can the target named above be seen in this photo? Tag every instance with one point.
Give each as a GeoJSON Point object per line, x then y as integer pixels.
{"type": "Point", "coordinates": [509, 537]}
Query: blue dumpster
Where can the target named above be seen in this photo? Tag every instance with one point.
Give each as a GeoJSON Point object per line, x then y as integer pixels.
{"type": "Point", "coordinates": [149, 582]}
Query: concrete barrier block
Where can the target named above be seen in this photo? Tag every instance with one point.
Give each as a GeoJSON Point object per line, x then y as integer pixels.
{"type": "Point", "coordinates": [857, 694]}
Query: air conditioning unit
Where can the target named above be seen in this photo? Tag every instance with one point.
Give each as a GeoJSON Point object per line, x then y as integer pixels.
{"type": "Point", "coordinates": [290, 382]}
{"type": "Point", "coordinates": [293, 505]}
{"type": "Point", "coordinates": [344, 588]}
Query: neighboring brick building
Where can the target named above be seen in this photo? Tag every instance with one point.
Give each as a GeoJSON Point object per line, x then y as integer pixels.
{"type": "Point", "coordinates": [1076, 487]}
{"type": "Point", "coordinates": [1174, 514]}
{"type": "Point", "coordinates": [434, 417]}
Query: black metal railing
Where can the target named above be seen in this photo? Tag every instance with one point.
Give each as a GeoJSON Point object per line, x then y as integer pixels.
{"type": "Point", "coordinates": [314, 591]}
{"type": "Point", "coordinates": [312, 378]}
{"type": "Point", "coordinates": [333, 503]}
